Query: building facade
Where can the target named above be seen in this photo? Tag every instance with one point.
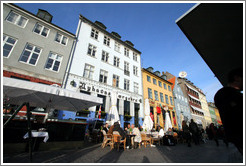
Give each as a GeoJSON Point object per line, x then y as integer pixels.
{"type": "Point", "coordinates": [211, 108]}
{"type": "Point", "coordinates": [159, 92]}
{"type": "Point", "coordinates": [101, 63]}
{"type": "Point", "coordinates": [204, 105]}
{"type": "Point", "coordinates": [34, 49]}
{"type": "Point", "coordinates": [181, 103]}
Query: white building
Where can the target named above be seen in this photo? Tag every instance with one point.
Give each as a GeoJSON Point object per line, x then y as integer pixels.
{"type": "Point", "coordinates": [102, 62]}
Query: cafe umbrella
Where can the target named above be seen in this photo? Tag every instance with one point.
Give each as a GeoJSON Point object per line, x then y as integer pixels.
{"type": "Point", "coordinates": [31, 94]}
{"type": "Point", "coordinates": [113, 115]}
{"type": "Point", "coordinates": [148, 123]}
{"type": "Point", "coordinates": [168, 123]}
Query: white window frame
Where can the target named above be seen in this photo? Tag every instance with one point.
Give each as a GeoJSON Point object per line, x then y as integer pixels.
{"type": "Point", "coordinates": [136, 87]}
{"type": "Point", "coordinates": [156, 95]}
{"type": "Point", "coordinates": [165, 86]}
{"type": "Point", "coordinates": [90, 70]}
{"type": "Point", "coordinates": [93, 50]}
{"type": "Point", "coordinates": [154, 81]}
{"type": "Point", "coordinates": [41, 31]}
{"type": "Point", "coordinates": [166, 99]}
{"type": "Point", "coordinates": [116, 61]}
{"type": "Point", "coordinates": [171, 100]}
{"type": "Point", "coordinates": [106, 41]}
{"type": "Point", "coordinates": [160, 84]}
{"type": "Point", "coordinates": [117, 46]}
{"type": "Point", "coordinates": [54, 60]}
{"type": "Point", "coordinates": [126, 66]}
{"type": "Point", "coordinates": [104, 75]}
{"type": "Point", "coordinates": [94, 33]}
{"type": "Point", "coordinates": [105, 56]}
{"type": "Point", "coordinates": [148, 78]}
{"type": "Point", "coordinates": [5, 41]}
{"type": "Point", "coordinates": [150, 95]}
{"type": "Point", "coordinates": [31, 54]}
{"type": "Point", "coordinates": [169, 88]}
{"type": "Point", "coordinates": [126, 84]}
{"type": "Point", "coordinates": [161, 97]}
{"type": "Point", "coordinates": [61, 39]}
{"type": "Point", "coordinates": [135, 70]}
{"type": "Point", "coordinates": [126, 52]}
{"type": "Point", "coordinates": [117, 78]}
{"type": "Point", "coordinates": [16, 22]}
{"type": "Point", "coordinates": [135, 56]}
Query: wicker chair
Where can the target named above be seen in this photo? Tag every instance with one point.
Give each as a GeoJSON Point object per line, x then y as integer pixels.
{"type": "Point", "coordinates": [146, 140]}
{"type": "Point", "coordinates": [116, 141]}
{"type": "Point", "coordinates": [107, 139]}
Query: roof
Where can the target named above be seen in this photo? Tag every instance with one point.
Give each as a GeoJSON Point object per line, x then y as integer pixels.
{"type": "Point", "coordinates": [172, 80]}
{"type": "Point", "coordinates": [13, 5]}
{"type": "Point", "coordinates": [109, 34]}
{"type": "Point", "coordinates": [216, 32]}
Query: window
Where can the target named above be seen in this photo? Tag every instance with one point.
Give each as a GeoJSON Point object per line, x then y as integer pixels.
{"type": "Point", "coordinates": [106, 40]}
{"type": "Point", "coordinates": [135, 56]}
{"type": "Point", "coordinates": [53, 62]}
{"type": "Point", "coordinates": [41, 30]}
{"type": "Point", "coordinates": [126, 52]}
{"type": "Point", "coordinates": [88, 71]}
{"type": "Point", "coordinates": [104, 56]}
{"type": "Point", "coordinates": [156, 95]}
{"type": "Point", "coordinates": [17, 19]}
{"type": "Point", "coordinates": [135, 70]}
{"type": "Point", "coordinates": [148, 79]}
{"type": "Point", "coordinates": [117, 46]}
{"type": "Point", "coordinates": [161, 96]}
{"type": "Point", "coordinates": [150, 93]}
{"type": "Point", "coordinates": [92, 50]}
{"type": "Point", "coordinates": [116, 61]}
{"type": "Point", "coordinates": [61, 39]}
{"type": "Point", "coordinates": [126, 84]}
{"type": "Point", "coordinates": [103, 76]}
{"type": "Point", "coordinates": [8, 45]}
{"type": "Point", "coordinates": [136, 87]}
{"type": "Point", "coordinates": [169, 88]}
{"type": "Point", "coordinates": [126, 68]}
{"type": "Point", "coordinates": [116, 80]}
{"type": "Point", "coordinates": [30, 54]}
{"type": "Point", "coordinates": [171, 100]}
{"type": "Point", "coordinates": [160, 84]}
{"type": "Point", "coordinates": [178, 106]}
{"type": "Point", "coordinates": [166, 97]}
{"type": "Point", "coordinates": [154, 81]}
{"type": "Point", "coordinates": [165, 86]}
{"type": "Point", "coordinates": [94, 33]}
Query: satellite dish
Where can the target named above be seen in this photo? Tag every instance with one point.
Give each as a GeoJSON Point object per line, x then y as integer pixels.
{"type": "Point", "coordinates": [182, 74]}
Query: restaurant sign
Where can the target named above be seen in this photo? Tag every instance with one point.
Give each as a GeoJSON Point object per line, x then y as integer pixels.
{"type": "Point", "coordinates": [84, 87]}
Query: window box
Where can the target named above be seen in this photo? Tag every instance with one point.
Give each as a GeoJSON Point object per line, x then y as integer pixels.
{"type": "Point", "coordinates": [127, 117]}
{"type": "Point", "coordinates": [83, 113]}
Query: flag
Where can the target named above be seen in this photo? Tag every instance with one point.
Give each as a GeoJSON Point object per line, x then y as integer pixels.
{"type": "Point", "coordinates": [99, 113]}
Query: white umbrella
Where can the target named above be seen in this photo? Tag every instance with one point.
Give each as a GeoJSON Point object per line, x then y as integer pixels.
{"type": "Point", "coordinates": [113, 115]}
{"type": "Point", "coordinates": [168, 123]}
{"type": "Point", "coordinates": [148, 123]}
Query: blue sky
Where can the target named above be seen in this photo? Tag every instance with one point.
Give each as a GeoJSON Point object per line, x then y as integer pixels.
{"type": "Point", "coordinates": [150, 27]}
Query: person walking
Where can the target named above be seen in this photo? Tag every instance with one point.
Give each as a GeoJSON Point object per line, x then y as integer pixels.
{"type": "Point", "coordinates": [194, 131]}
{"type": "Point", "coordinates": [214, 133]}
{"type": "Point", "coordinates": [186, 133]}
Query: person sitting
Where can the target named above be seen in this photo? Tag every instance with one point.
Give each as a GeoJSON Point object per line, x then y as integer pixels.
{"type": "Point", "coordinates": [137, 138]}
{"type": "Point", "coordinates": [119, 129]}
{"type": "Point", "coordinates": [168, 137]}
{"type": "Point", "coordinates": [105, 128]}
{"type": "Point", "coordinates": [161, 133]}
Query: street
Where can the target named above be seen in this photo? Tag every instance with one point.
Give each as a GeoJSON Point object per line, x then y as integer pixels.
{"type": "Point", "coordinates": [181, 153]}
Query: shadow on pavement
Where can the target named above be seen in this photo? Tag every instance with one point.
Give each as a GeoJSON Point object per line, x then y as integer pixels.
{"type": "Point", "coordinates": [145, 160]}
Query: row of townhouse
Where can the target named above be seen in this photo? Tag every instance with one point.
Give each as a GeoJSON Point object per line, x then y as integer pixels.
{"type": "Point", "coordinates": [95, 62]}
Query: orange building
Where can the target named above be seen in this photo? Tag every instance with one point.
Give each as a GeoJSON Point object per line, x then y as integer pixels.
{"type": "Point", "coordinates": [159, 92]}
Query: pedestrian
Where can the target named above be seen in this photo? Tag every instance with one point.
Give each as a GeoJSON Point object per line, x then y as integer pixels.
{"type": "Point", "coordinates": [194, 131]}
{"type": "Point", "coordinates": [105, 128]}
{"type": "Point", "coordinates": [229, 101]}
{"type": "Point", "coordinates": [186, 133]}
{"type": "Point", "coordinates": [119, 129]}
{"type": "Point", "coordinates": [214, 133]}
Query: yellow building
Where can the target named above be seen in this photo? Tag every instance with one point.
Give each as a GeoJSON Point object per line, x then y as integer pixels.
{"type": "Point", "coordinates": [159, 92]}
{"type": "Point", "coordinates": [217, 116]}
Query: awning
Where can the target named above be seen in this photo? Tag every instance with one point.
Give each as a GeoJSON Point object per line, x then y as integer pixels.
{"type": "Point", "coordinates": [192, 88]}
{"type": "Point", "coordinates": [194, 98]}
{"type": "Point", "coordinates": [46, 96]}
{"type": "Point", "coordinates": [196, 108]}
{"type": "Point", "coordinates": [216, 32]}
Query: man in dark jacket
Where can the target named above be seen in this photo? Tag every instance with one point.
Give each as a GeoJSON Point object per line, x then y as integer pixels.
{"type": "Point", "coordinates": [194, 131]}
{"type": "Point", "coordinates": [119, 129]}
{"type": "Point", "coordinates": [229, 101]}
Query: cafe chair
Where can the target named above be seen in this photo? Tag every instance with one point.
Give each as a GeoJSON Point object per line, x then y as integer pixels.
{"type": "Point", "coordinates": [116, 141]}
{"type": "Point", "coordinates": [146, 140]}
{"type": "Point", "coordinates": [107, 139]}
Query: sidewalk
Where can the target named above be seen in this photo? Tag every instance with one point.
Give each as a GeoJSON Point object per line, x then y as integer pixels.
{"type": "Point", "coordinates": [204, 153]}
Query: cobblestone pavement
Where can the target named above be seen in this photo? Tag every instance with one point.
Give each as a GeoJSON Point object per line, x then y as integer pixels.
{"type": "Point", "coordinates": [181, 153]}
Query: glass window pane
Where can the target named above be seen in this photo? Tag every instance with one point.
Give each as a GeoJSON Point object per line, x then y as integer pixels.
{"type": "Point", "coordinates": [11, 40]}
{"type": "Point", "coordinates": [29, 47]}
{"type": "Point", "coordinates": [24, 58]}
{"type": "Point", "coordinates": [6, 53]}
{"type": "Point", "coordinates": [37, 28]}
{"type": "Point", "coordinates": [22, 22]}
{"type": "Point", "coordinates": [58, 37]}
{"type": "Point", "coordinates": [37, 50]}
{"type": "Point", "coordinates": [64, 40]}
{"type": "Point", "coordinates": [12, 17]}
